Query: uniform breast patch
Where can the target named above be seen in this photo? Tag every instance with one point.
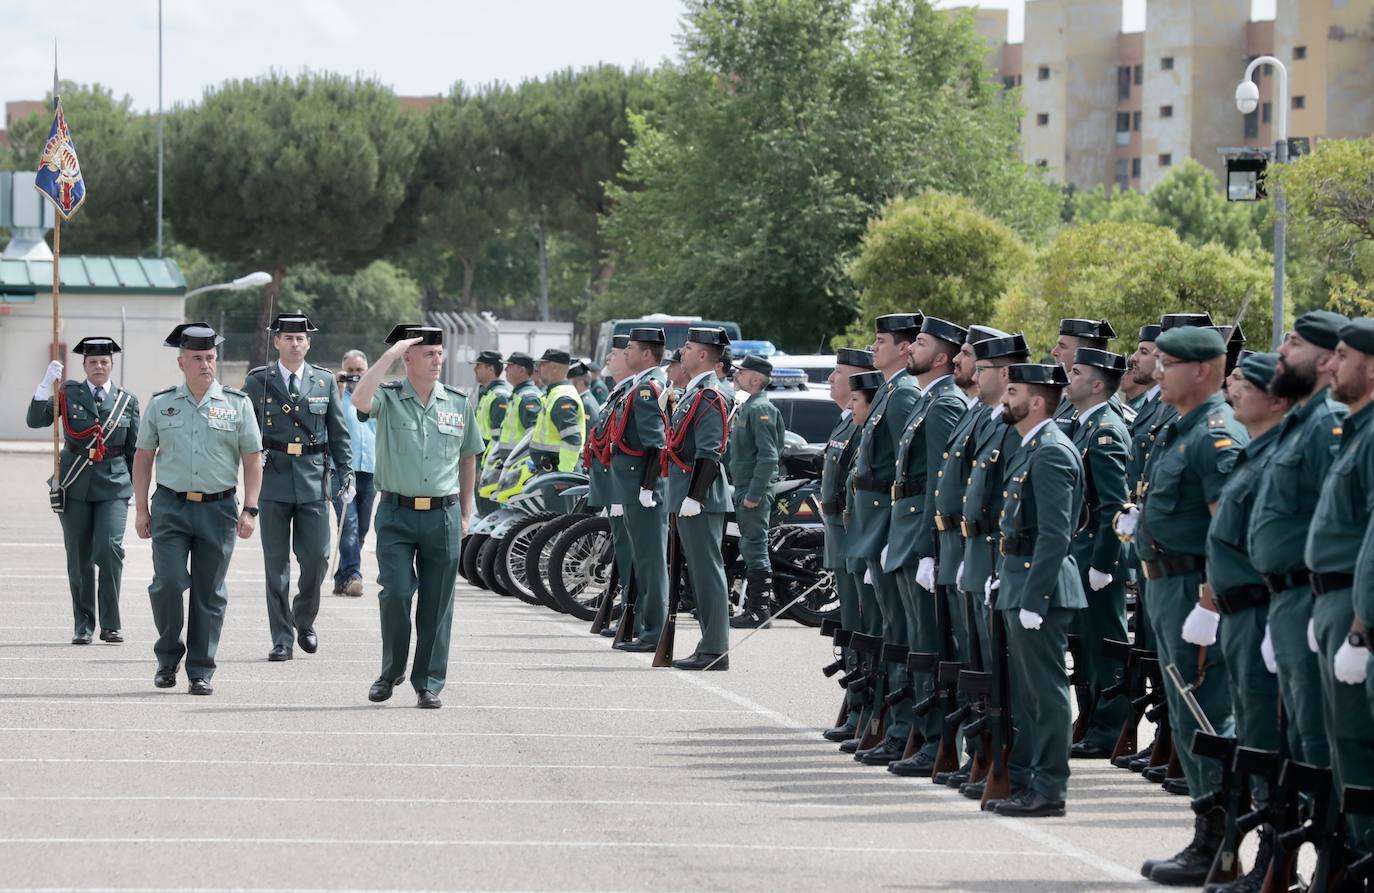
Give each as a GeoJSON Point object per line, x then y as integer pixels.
{"type": "Point", "coordinates": [1104, 440]}
{"type": "Point", "coordinates": [445, 417]}
{"type": "Point", "coordinates": [170, 411]}
{"type": "Point", "coordinates": [228, 413]}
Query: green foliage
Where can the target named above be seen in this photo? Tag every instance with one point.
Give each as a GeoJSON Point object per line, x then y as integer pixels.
{"type": "Point", "coordinates": [937, 253]}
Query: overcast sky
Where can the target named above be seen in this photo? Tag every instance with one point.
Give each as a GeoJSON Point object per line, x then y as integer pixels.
{"type": "Point", "coordinates": [417, 48]}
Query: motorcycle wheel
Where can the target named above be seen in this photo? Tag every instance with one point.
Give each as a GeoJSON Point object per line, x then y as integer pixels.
{"type": "Point", "coordinates": [512, 554]}
{"type": "Point", "coordinates": [472, 547]}
{"type": "Point", "coordinates": [581, 565]}
{"type": "Point", "coordinates": [537, 559]}
{"type": "Point", "coordinates": [821, 603]}
{"type": "Point", "coordinates": [486, 566]}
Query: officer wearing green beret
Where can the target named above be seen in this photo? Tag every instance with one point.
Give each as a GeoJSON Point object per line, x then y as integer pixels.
{"type": "Point", "coordinates": [302, 421]}
{"type": "Point", "coordinates": [1284, 503]}
{"type": "Point", "coordinates": [597, 458]}
{"type": "Point", "coordinates": [1037, 590]}
{"type": "Point", "coordinates": [528, 402]}
{"type": "Point", "coordinates": [912, 540]}
{"type": "Point", "coordinates": [1335, 543]}
{"type": "Point", "coordinates": [756, 435]}
{"type": "Point", "coordinates": [493, 398]}
{"type": "Point", "coordinates": [1103, 442]}
{"type": "Point", "coordinates": [560, 428]}
{"type": "Point", "coordinates": [1189, 464]}
{"type": "Point", "coordinates": [99, 426]}
{"type": "Point", "coordinates": [427, 443]}
{"type": "Point", "coordinates": [870, 507]}
{"type": "Point", "coordinates": [1073, 334]}
{"type": "Point", "coordinates": [637, 438]}
{"type": "Point", "coordinates": [197, 433]}
{"type": "Point", "coordinates": [698, 493]}
{"type": "Point", "coordinates": [580, 376]}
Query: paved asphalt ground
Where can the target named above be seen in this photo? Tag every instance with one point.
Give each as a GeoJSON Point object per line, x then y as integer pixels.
{"type": "Point", "coordinates": [555, 764]}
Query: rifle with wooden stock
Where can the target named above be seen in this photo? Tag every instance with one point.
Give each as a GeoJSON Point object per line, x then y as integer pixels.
{"type": "Point", "coordinates": [663, 655]}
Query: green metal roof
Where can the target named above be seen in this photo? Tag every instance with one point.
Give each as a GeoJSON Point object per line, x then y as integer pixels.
{"type": "Point", "coordinates": [95, 273]}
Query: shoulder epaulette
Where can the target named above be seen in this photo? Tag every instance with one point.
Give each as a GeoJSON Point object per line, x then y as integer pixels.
{"type": "Point", "coordinates": [257, 369]}
{"type": "Point", "coordinates": [329, 372]}
{"type": "Point", "coordinates": [164, 391]}
{"type": "Point", "coordinates": [390, 385]}
{"type": "Point", "coordinates": [235, 391]}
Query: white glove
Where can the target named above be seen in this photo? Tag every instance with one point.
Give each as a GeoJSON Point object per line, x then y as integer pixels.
{"type": "Point", "coordinates": [617, 510]}
{"type": "Point", "coordinates": [925, 574]}
{"type": "Point", "coordinates": [989, 587]}
{"type": "Point", "coordinates": [1029, 619]}
{"type": "Point", "coordinates": [1200, 626]}
{"type": "Point", "coordinates": [646, 498]}
{"type": "Point", "coordinates": [690, 508]}
{"type": "Point", "coordinates": [1350, 664]}
{"type": "Point", "coordinates": [1312, 636]}
{"type": "Point", "coordinates": [44, 389]}
{"type": "Point", "coordinates": [882, 556]}
{"type": "Point", "coordinates": [347, 491]}
{"type": "Point", "coordinates": [959, 576]}
{"type": "Point", "coordinates": [1267, 651]}
{"type": "Point", "coordinates": [868, 576]}
{"type": "Point", "coordinates": [1098, 580]}
{"type": "Point", "coordinates": [1126, 521]}
{"type": "Point", "coordinates": [264, 458]}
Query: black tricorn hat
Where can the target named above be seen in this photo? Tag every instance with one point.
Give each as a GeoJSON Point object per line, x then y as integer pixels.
{"type": "Point", "coordinates": [554, 355]}
{"type": "Point", "coordinates": [426, 334]}
{"type": "Point", "coordinates": [1050, 376]}
{"type": "Point", "coordinates": [647, 335]}
{"type": "Point", "coordinates": [1174, 320]}
{"type": "Point", "coordinates": [96, 347]}
{"type": "Point", "coordinates": [711, 336]}
{"type": "Point", "coordinates": [1149, 332]}
{"type": "Point", "coordinates": [194, 336]}
{"type": "Point", "coordinates": [1102, 359]}
{"type": "Point", "coordinates": [853, 356]}
{"type": "Point", "coordinates": [292, 323]}
{"type": "Point", "coordinates": [578, 369]}
{"type": "Point", "coordinates": [899, 322]}
{"type": "Point", "coordinates": [620, 341]}
{"type": "Point", "coordinates": [1087, 328]}
{"type": "Point", "coordinates": [1235, 344]}
{"type": "Point", "coordinates": [1002, 346]}
{"type": "Point", "coordinates": [944, 330]}
{"type": "Point", "coordinates": [489, 357]}
{"type": "Point", "coordinates": [521, 359]}
{"type": "Point", "coordinates": [983, 333]}
{"type": "Point", "coordinates": [868, 382]}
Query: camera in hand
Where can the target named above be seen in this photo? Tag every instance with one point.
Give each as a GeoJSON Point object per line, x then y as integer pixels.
{"type": "Point", "coordinates": [345, 378]}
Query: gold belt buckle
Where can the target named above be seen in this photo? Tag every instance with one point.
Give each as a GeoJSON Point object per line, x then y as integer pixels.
{"type": "Point", "coordinates": [422, 503]}
{"type": "Point", "coordinates": [1002, 546]}
{"type": "Point", "coordinates": [940, 523]}
{"type": "Point", "coordinates": [295, 449]}
{"type": "Point", "coordinates": [1145, 569]}
{"type": "Point", "coordinates": [966, 529]}
{"type": "Point", "coordinates": [195, 497]}
{"type": "Point", "coordinates": [893, 492]}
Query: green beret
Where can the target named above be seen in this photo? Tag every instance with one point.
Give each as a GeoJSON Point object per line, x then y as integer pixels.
{"type": "Point", "coordinates": [1258, 369]}
{"type": "Point", "coordinates": [1321, 327]}
{"type": "Point", "coordinates": [1359, 334]}
{"type": "Point", "coordinates": [1191, 344]}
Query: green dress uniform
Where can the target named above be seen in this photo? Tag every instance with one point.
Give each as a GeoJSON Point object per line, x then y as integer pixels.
{"type": "Point", "coordinates": [1284, 503]}
{"type": "Point", "coordinates": [419, 523]}
{"type": "Point", "coordinates": [198, 446]}
{"type": "Point", "coordinates": [756, 434]}
{"type": "Point", "coordinates": [591, 408]}
{"type": "Point", "coordinates": [637, 437]}
{"type": "Point", "coordinates": [97, 501]}
{"type": "Point", "coordinates": [493, 399]}
{"type": "Point", "coordinates": [299, 428]}
{"type": "Point", "coordinates": [836, 462]}
{"type": "Point", "coordinates": [601, 492]}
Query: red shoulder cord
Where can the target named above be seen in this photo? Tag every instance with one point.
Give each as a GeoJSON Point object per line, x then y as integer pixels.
{"type": "Point", "coordinates": [676, 437]}
{"type": "Point", "coordinates": [616, 432]}
{"type": "Point", "coordinates": [598, 446]}
{"type": "Point", "coordinates": [97, 430]}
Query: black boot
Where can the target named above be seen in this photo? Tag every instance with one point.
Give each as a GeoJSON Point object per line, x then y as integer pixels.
{"type": "Point", "coordinates": [758, 593]}
{"type": "Point", "coordinates": [1253, 880]}
{"type": "Point", "coordinates": [1190, 867]}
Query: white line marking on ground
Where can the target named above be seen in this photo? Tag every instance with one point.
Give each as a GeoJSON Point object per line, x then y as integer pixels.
{"type": "Point", "coordinates": [684, 737]}
{"type": "Point", "coordinates": [169, 698]}
{"type": "Point", "coordinates": [472, 801]}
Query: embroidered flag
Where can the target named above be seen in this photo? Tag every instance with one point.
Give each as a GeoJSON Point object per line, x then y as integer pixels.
{"type": "Point", "coordinates": [59, 172]}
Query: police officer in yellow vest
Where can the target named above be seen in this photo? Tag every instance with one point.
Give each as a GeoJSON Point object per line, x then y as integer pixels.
{"type": "Point", "coordinates": [562, 424]}
{"type": "Point", "coordinates": [100, 422]}
{"type": "Point", "coordinates": [427, 444]}
{"type": "Point", "coordinates": [197, 433]}
{"type": "Point", "coordinates": [526, 400]}
{"type": "Point", "coordinates": [493, 397]}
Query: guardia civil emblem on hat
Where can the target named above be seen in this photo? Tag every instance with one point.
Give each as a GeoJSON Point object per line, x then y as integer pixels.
{"type": "Point", "coordinates": [426, 334]}
{"type": "Point", "coordinates": [899, 322]}
{"type": "Point", "coordinates": [1050, 376]}
{"type": "Point", "coordinates": [194, 336]}
{"type": "Point", "coordinates": [293, 323]}
{"type": "Point", "coordinates": [852, 356]}
{"type": "Point", "coordinates": [647, 335]}
{"type": "Point", "coordinates": [96, 347]}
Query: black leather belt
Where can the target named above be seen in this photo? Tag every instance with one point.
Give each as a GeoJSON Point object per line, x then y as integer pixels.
{"type": "Point", "coordinates": [296, 449]}
{"type": "Point", "coordinates": [1233, 601]}
{"type": "Point", "coordinates": [193, 496]}
{"type": "Point", "coordinates": [1282, 582]}
{"type": "Point", "coordinates": [832, 506]}
{"type": "Point", "coordinates": [948, 522]}
{"type": "Point", "coordinates": [1324, 583]}
{"type": "Point", "coordinates": [1173, 566]}
{"type": "Point", "coordinates": [907, 488]}
{"type": "Point", "coordinates": [420, 503]}
{"type": "Point", "coordinates": [873, 485]}
{"type": "Point", "coordinates": [970, 529]}
{"type": "Point", "coordinates": [1021, 544]}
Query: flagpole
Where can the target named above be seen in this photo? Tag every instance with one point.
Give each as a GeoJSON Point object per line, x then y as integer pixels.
{"type": "Point", "coordinates": [57, 389]}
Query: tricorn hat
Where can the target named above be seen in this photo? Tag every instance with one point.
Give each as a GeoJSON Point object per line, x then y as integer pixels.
{"type": "Point", "coordinates": [1101, 359]}
{"type": "Point", "coordinates": [292, 323]}
{"type": "Point", "coordinates": [647, 335]}
{"type": "Point", "coordinates": [868, 382]}
{"type": "Point", "coordinates": [709, 335]}
{"type": "Point", "coordinates": [853, 356]}
{"type": "Point", "coordinates": [899, 322]}
{"type": "Point", "coordinates": [1050, 376]}
{"type": "Point", "coordinates": [426, 334]}
{"type": "Point", "coordinates": [944, 330]}
{"type": "Point", "coordinates": [96, 347]}
{"type": "Point", "coordinates": [194, 336]}
{"type": "Point", "coordinates": [1087, 328]}
{"type": "Point", "coordinates": [1002, 346]}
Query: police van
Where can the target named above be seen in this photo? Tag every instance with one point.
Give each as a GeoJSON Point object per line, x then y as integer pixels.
{"type": "Point", "coordinates": [674, 330]}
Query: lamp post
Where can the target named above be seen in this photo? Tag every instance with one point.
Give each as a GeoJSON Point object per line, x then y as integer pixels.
{"type": "Point", "coordinates": [252, 280]}
{"type": "Point", "coordinates": [1247, 100]}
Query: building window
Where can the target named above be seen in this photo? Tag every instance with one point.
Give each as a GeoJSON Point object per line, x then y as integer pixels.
{"type": "Point", "coordinates": [1008, 82]}
{"type": "Point", "coordinates": [1299, 52]}
{"type": "Point", "coordinates": [1167, 63]}
{"type": "Point", "coordinates": [1123, 82]}
{"type": "Point", "coordinates": [1135, 168]}
{"type": "Point", "coordinates": [1043, 73]}
{"type": "Point", "coordinates": [1135, 121]}
{"type": "Point", "coordinates": [1122, 169]}
{"type": "Point", "coordinates": [1040, 162]}
{"type": "Point", "coordinates": [1299, 102]}
{"type": "Point", "coordinates": [1123, 122]}
{"type": "Point", "coordinates": [1267, 112]}
{"type": "Point", "coordinates": [1042, 119]}
{"type": "Point", "coordinates": [1166, 111]}
{"type": "Point", "coordinates": [1165, 159]}
{"type": "Point", "coordinates": [1138, 75]}
{"type": "Point", "coordinates": [1252, 126]}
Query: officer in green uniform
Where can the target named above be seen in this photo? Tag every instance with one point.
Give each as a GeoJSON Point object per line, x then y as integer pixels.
{"type": "Point", "coordinates": [597, 458]}
{"type": "Point", "coordinates": [1333, 544]}
{"type": "Point", "coordinates": [197, 433]}
{"type": "Point", "coordinates": [1103, 442]}
{"type": "Point", "coordinates": [100, 424]}
{"type": "Point", "coordinates": [528, 401]}
{"type": "Point", "coordinates": [302, 420]}
{"type": "Point", "coordinates": [597, 386]}
{"type": "Point", "coordinates": [756, 434]}
{"type": "Point", "coordinates": [493, 397]}
{"type": "Point", "coordinates": [836, 461]}
{"type": "Point", "coordinates": [427, 444]}
{"type": "Point", "coordinates": [677, 377]}
{"type": "Point", "coordinates": [1188, 466]}
{"type": "Point", "coordinates": [1038, 589]}
{"type": "Point", "coordinates": [912, 540]}
{"type": "Point", "coordinates": [698, 493]}
{"type": "Point", "coordinates": [579, 375]}
{"type": "Point", "coordinates": [560, 429]}
{"type": "Point", "coordinates": [1073, 334]}
{"type": "Point", "coordinates": [870, 512]}
{"type": "Point", "coordinates": [725, 371]}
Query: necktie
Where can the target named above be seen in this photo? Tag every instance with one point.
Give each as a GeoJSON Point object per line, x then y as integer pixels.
{"type": "Point", "coordinates": [294, 387]}
{"type": "Point", "coordinates": [99, 396]}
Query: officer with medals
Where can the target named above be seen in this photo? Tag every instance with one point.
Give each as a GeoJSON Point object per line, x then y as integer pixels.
{"type": "Point", "coordinates": [1038, 590]}
{"type": "Point", "coordinates": [1188, 466]}
{"type": "Point", "coordinates": [596, 456]}
{"type": "Point", "coordinates": [302, 420]}
{"type": "Point", "coordinates": [527, 401]}
{"type": "Point", "coordinates": [837, 459]}
{"type": "Point", "coordinates": [756, 436]}
{"type": "Point", "coordinates": [912, 542]}
{"type": "Point", "coordinates": [698, 492]}
{"type": "Point", "coordinates": [427, 444]}
{"type": "Point", "coordinates": [636, 440]}
{"type": "Point", "coordinates": [560, 429]}
{"type": "Point", "coordinates": [493, 397]}
{"type": "Point", "coordinates": [1073, 334]}
{"type": "Point", "coordinates": [100, 423]}
{"type": "Point", "coordinates": [579, 375]}
{"type": "Point", "coordinates": [1103, 442]}
{"type": "Point", "coordinates": [870, 509]}
{"type": "Point", "coordinates": [197, 433]}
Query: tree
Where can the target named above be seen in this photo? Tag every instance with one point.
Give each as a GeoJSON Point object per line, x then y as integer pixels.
{"type": "Point", "coordinates": [937, 251]}
{"type": "Point", "coordinates": [275, 172]}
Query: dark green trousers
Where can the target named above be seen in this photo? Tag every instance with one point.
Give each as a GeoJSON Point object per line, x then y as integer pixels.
{"type": "Point", "coordinates": [624, 566]}
{"type": "Point", "coordinates": [94, 536]}
{"type": "Point", "coordinates": [302, 528]}
{"type": "Point", "coordinates": [1349, 723]}
{"type": "Point", "coordinates": [647, 531]}
{"type": "Point", "coordinates": [201, 535]}
{"type": "Point", "coordinates": [1254, 690]}
{"type": "Point", "coordinates": [1104, 618]}
{"type": "Point", "coordinates": [753, 532]}
{"type": "Point", "coordinates": [923, 635]}
{"type": "Point", "coordinates": [1042, 704]}
{"type": "Point", "coordinates": [1299, 678]}
{"type": "Point", "coordinates": [847, 590]}
{"type": "Point", "coordinates": [700, 536]}
{"type": "Point", "coordinates": [894, 632]}
{"type": "Point", "coordinates": [417, 552]}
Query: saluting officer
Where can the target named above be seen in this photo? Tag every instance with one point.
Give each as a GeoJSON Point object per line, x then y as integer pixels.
{"type": "Point", "coordinates": [493, 397]}
{"type": "Point", "coordinates": [756, 434]}
{"type": "Point", "coordinates": [698, 493]}
{"type": "Point", "coordinates": [302, 413]}
{"type": "Point", "coordinates": [1073, 334]}
{"type": "Point", "coordinates": [427, 444]}
{"type": "Point", "coordinates": [560, 430]}
{"type": "Point", "coordinates": [198, 432]}
{"type": "Point", "coordinates": [527, 400]}
{"type": "Point", "coordinates": [99, 426]}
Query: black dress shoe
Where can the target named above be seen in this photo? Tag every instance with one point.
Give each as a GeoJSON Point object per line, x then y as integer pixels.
{"type": "Point", "coordinates": [81, 639]}
{"type": "Point", "coordinates": [702, 661]}
{"type": "Point", "coordinates": [307, 639]}
{"type": "Point", "coordinates": [1178, 786]}
{"type": "Point", "coordinates": [840, 733]}
{"type": "Point", "coordinates": [972, 790]}
{"type": "Point", "coordinates": [609, 631]}
{"type": "Point", "coordinates": [280, 652]}
{"type": "Point", "coordinates": [165, 677]}
{"type": "Point", "coordinates": [850, 746]}
{"type": "Point", "coordinates": [200, 687]}
{"type": "Point", "coordinates": [1156, 773]}
{"type": "Point", "coordinates": [381, 689]}
{"type": "Point", "coordinates": [1030, 804]}
{"type": "Point", "coordinates": [918, 765]}
{"type": "Point", "coordinates": [113, 636]}
{"type": "Point", "coordinates": [637, 645]}
{"type": "Point", "coordinates": [991, 805]}
{"type": "Point", "coordinates": [428, 700]}
{"type": "Point", "coordinates": [1085, 751]}
{"type": "Point", "coordinates": [1124, 762]}
{"type": "Point", "coordinates": [948, 778]}
{"type": "Point", "coordinates": [888, 752]}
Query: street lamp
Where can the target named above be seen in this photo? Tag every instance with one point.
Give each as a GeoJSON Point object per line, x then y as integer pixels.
{"type": "Point", "coordinates": [1247, 100]}
{"type": "Point", "coordinates": [252, 280]}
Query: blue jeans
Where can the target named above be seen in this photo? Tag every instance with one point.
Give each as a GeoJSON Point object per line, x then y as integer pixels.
{"type": "Point", "coordinates": [353, 526]}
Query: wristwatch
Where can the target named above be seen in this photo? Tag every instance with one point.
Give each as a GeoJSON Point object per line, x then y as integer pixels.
{"type": "Point", "coordinates": [252, 510]}
{"type": "Point", "coordinates": [1357, 639]}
